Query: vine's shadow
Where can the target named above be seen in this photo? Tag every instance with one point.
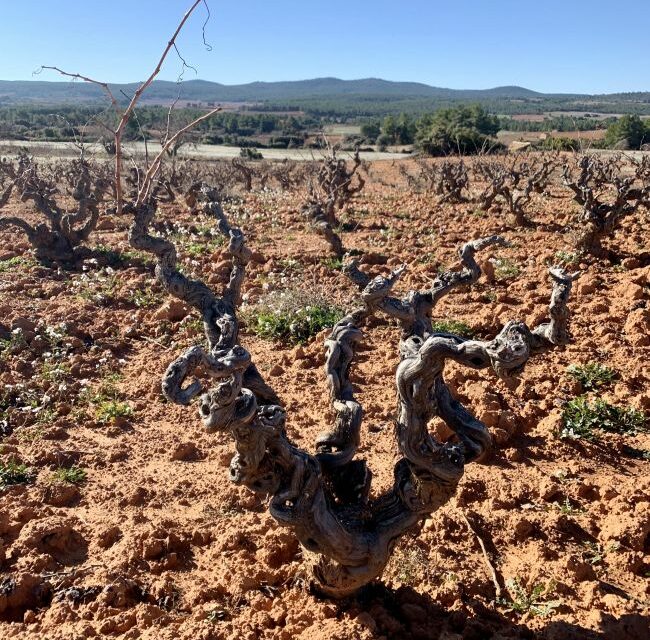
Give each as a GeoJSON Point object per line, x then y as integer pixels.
{"type": "Point", "coordinates": [405, 614]}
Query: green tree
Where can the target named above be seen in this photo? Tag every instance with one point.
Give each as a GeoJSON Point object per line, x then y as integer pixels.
{"type": "Point", "coordinates": [629, 132]}
{"type": "Point", "coordinates": [389, 128]}
{"type": "Point", "coordinates": [405, 129]}
{"type": "Point", "coordinates": [463, 129]}
{"type": "Point", "coordinates": [371, 130]}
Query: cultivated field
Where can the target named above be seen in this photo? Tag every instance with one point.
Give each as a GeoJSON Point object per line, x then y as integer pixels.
{"type": "Point", "coordinates": [55, 150]}
{"type": "Point", "coordinates": [117, 515]}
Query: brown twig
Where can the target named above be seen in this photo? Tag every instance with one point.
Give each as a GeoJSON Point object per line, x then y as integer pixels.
{"type": "Point", "coordinates": [486, 558]}
{"type": "Point", "coordinates": [155, 165]}
{"type": "Point", "coordinates": [126, 114]}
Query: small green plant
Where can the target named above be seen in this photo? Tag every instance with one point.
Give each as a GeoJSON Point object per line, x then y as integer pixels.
{"type": "Point", "coordinates": [290, 265]}
{"type": "Point", "coordinates": [567, 258]}
{"type": "Point", "coordinates": [101, 288]}
{"type": "Point", "coordinates": [333, 263]}
{"type": "Point", "coordinates": [142, 298]}
{"type": "Point", "coordinates": [46, 416]}
{"type": "Point", "coordinates": [14, 344]}
{"type": "Point", "coordinates": [205, 244]}
{"type": "Point", "coordinates": [112, 410]}
{"type": "Point", "coordinates": [193, 325]}
{"type": "Point", "coordinates": [411, 565]}
{"type": "Point", "coordinates": [505, 268]}
{"type": "Point", "coordinates": [29, 434]}
{"type": "Point", "coordinates": [55, 371]}
{"type": "Point", "coordinates": [592, 375]}
{"type": "Point", "coordinates": [568, 508]}
{"type": "Point", "coordinates": [293, 316]}
{"type": "Point", "coordinates": [71, 475]}
{"type": "Point", "coordinates": [120, 259]}
{"type": "Point", "coordinates": [107, 401]}
{"type": "Point", "coordinates": [580, 418]}
{"type": "Point", "coordinates": [11, 472]}
{"type": "Point", "coordinates": [533, 602]}
{"type": "Point", "coordinates": [456, 327]}
{"type": "Point", "coordinates": [594, 552]}
{"type": "Point", "coordinates": [13, 263]}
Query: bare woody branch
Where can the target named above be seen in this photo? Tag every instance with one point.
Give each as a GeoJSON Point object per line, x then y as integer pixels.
{"type": "Point", "coordinates": [125, 115]}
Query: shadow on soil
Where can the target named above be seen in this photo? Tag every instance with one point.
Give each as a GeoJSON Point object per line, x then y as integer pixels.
{"type": "Point", "coordinates": [408, 615]}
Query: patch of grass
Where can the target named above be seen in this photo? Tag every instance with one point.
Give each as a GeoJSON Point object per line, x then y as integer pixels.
{"type": "Point", "coordinates": [581, 418]}
{"type": "Point", "coordinates": [455, 327]}
{"type": "Point", "coordinates": [505, 268]}
{"type": "Point", "coordinates": [121, 259]}
{"type": "Point", "coordinates": [108, 401]}
{"type": "Point", "coordinates": [55, 371]}
{"type": "Point", "coordinates": [206, 244]}
{"type": "Point", "coordinates": [13, 473]}
{"type": "Point", "coordinates": [193, 325]}
{"type": "Point", "coordinates": [290, 265]}
{"type": "Point", "coordinates": [29, 434]}
{"type": "Point", "coordinates": [533, 601]}
{"type": "Point", "coordinates": [71, 475]}
{"type": "Point", "coordinates": [46, 416]}
{"type": "Point", "coordinates": [292, 316]}
{"type": "Point", "coordinates": [100, 288]}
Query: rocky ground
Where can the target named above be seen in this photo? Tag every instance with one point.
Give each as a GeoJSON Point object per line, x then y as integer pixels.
{"type": "Point", "coordinates": [126, 524]}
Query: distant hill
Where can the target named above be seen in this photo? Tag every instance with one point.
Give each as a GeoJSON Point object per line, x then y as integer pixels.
{"type": "Point", "coordinates": [329, 97]}
{"type": "Point", "coordinates": [161, 91]}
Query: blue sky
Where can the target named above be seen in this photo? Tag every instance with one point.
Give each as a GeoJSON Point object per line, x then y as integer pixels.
{"type": "Point", "coordinates": [588, 46]}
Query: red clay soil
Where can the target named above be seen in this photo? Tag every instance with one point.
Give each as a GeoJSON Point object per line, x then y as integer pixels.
{"type": "Point", "coordinates": [157, 543]}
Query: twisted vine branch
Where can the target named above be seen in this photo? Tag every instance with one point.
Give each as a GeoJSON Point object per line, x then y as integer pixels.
{"type": "Point", "coordinates": [325, 497]}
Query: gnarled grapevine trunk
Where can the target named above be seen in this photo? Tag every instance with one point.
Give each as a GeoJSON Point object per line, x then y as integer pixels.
{"type": "Point", "coordinates": [599, 218]}
{"type": "Point", "coordinates": [62, 237]}
{"type": "Point", "coordinates": [330, 190]}
{"type": "Point", "coordinates": [324, 497]}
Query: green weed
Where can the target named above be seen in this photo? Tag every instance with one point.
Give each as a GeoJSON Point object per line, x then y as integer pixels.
{"type": "Point", "coordinates": [11, 472]}
{"type": "Point", "coordinates": [567, 258]}
{"type": "Point", "coordinates": [71, 475]}
{"type": "Point", "coordinates": [13, 263]}
{"type": "Point", "coordinates": [581, 418]}
{"type": "Point", "coordinates": [533, 602]}
{"type": "Point", "coordinates": [455, 327]}
{"type": "Point", "coordinates": [292, 316]}
{"type": "Point", "coordinates": [505, 268]}
{"type": "Point", "coordinates": [592, 375]}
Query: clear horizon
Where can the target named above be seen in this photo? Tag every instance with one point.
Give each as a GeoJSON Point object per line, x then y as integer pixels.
{"type": "Point", "coordinates": [456, 47]}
